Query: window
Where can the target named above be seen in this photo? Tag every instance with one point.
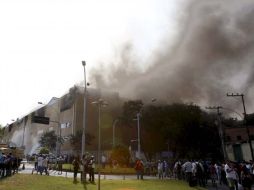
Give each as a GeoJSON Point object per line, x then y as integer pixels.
{"type": "Point", "coordinates": [239, 138]}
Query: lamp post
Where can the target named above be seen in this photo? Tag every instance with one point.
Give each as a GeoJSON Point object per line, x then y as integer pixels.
{"type": "Point", "coordinates": [84, 114]}
{"type": "Point", "coordinates": [138, 124]}
{"type": "Point", "coordinates": [114, 125]}
{"type": "Point", "coordinates": [99, 103]}
{"type": "Point", "coordinates": [133, 156]}
{"type": "Point", "coordinates": [83, 178]}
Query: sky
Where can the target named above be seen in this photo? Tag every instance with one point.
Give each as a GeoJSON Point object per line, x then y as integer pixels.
{"type": "Point", "coordinates": [43, 42]}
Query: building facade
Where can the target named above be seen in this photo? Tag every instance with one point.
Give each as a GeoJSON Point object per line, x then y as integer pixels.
{"type": "Point", "coordinates": [64, 116]}
{"type": "Point", "coordinates": [237, 144]}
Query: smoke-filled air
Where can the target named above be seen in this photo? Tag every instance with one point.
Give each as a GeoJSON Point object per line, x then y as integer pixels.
{"type": "Point", "coordinates": [212, 54]}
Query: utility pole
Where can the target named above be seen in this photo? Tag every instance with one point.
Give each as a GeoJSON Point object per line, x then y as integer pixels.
{"type": "Point", "coordinates": [101, 103]}
{"type": "Point", "coordinates": [245, 120]}
{"type": "Point", "coordinates": [114, 126]}
{"type": "Point", "coordinates": [139, 146]}
{"type": "Point", "coordinates": [83, 178]}
{"type": "Point", "coordinates": [221, 133]}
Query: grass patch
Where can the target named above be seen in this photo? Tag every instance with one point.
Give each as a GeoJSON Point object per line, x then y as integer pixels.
{"type": "Point", "coordinates": [38, 182]}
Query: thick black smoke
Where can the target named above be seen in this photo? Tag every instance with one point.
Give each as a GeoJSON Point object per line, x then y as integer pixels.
{"type": "Point", "coordinates": [213, 55]}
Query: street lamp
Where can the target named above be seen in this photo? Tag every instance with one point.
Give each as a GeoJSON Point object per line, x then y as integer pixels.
{"type": "Point", "coordinates": [84, 114]}
{"type": "Point", "coordinates": [99, 103]}
{"type": "Point", "coordinates": [114, 125]}
{"type": "Point", "coordinates": [138, 124]}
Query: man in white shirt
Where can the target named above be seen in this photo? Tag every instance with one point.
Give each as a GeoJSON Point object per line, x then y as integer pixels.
{"type": "Point", "coordinates": [187, 167]}
{"type": "Point", "coordinates": [40, 164]}
{"type": "Point", "coordinates": [230, 175]}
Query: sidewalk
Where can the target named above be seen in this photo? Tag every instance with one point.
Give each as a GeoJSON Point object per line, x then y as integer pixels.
{"type": "Point", "coordinates": [29, 169]}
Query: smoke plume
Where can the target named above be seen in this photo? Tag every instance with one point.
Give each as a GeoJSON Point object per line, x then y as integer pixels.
{"type": "Point", "coordinates": [213, 55]}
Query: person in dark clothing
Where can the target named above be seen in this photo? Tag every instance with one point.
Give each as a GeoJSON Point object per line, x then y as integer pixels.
{"type": "Point", "coordinates": [75, 164]}
{"type": "Point", "coordinates": [8, 164]}
{"type": "Point", "coordinates": [246, 179]}
{"type": "Point", "coordinates": [200, 174]}
{"type": "Point", "coordinates": [91, 168]}
{"type": "Point", "coordinates": [139, 167]}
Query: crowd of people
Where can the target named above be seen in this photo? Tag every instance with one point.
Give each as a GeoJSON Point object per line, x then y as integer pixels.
{"type": "Point", "coordinates": [231, 174]}
{"type": "Point", "coordinates": [43, 163]}
{"type": "Point", "coordinates": [9, 164]}
{"type": "Point", "coordinates": [87, 166]}
{"type": "Point", "coordinates": [228, 173]}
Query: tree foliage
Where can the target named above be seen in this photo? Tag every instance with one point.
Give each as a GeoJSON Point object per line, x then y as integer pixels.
{"type": "Point", "coordinates": [189, 131]}
{"type": "Point", "coordinates": [49, 140]}
{"type": "Point", "coordinates": [184, 129]}
{"type": "Point", "coordinates": [130, 110]}
{"type": "Point", "coordinates": [121, 155]}
{"type": "Point", "coordinates": [1, 132]}
{"type": "Point", "coordinates": [76, 141]}
{"type": "Point", "coordinates": [44, 150]}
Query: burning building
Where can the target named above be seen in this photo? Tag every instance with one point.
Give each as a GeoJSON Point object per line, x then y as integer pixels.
{"type": "Point", "coordinates": [63, 115]}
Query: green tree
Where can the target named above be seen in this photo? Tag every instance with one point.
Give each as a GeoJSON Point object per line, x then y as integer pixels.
{"type": "Point", "coordinates": [121, 154]}
{"type": "Point", "coordinates": [44, 150]}
{"type": "Point", "coordinates": [130, 110]}
{"type": "Point", "coordinates": [183, 128]}
{"type": "Point", "coordinates": [49, 140]}
{"type": "Point", "coordinates": [1, 132]}
{"type": "Point", "coordinates": [76, 141]}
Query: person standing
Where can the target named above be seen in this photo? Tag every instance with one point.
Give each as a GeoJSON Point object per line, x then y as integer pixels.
{"type": "Point", "coordinates": [75, 164]}
{"type": "Point", "coordinates": [103, 161]}
{"type": "Point", "coordinates": [40, 164]}
{"type": "Point", "coordinates": [45, 165]}
{"type": "Point", "coordinates": [60, 165]}
{"type": "Point", "coordinates": [2, 168]}
{"type": "Point", "coordinates": [178, 170]}
{"type": "Point", "coordinates": [91, 168]}
{"type": "Point", "coordinates": [84, 163]}
{"type": "Point", "coordinates": [36, 162]}
{"type": "Point", "coordinates": [218, 172]}
{"type": "Point", "coordinates": [230, 175]}
{"type": "Point", "coordinates": [246, 179]}
{"type": "Point", "coordinates": [188, 168]}
{"type": "Point", "coordinates": [165, 169]}
{"type": "Point", "coordinates": [139, 167]}
{"type": "Point", "coordinates": [160, 169]}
